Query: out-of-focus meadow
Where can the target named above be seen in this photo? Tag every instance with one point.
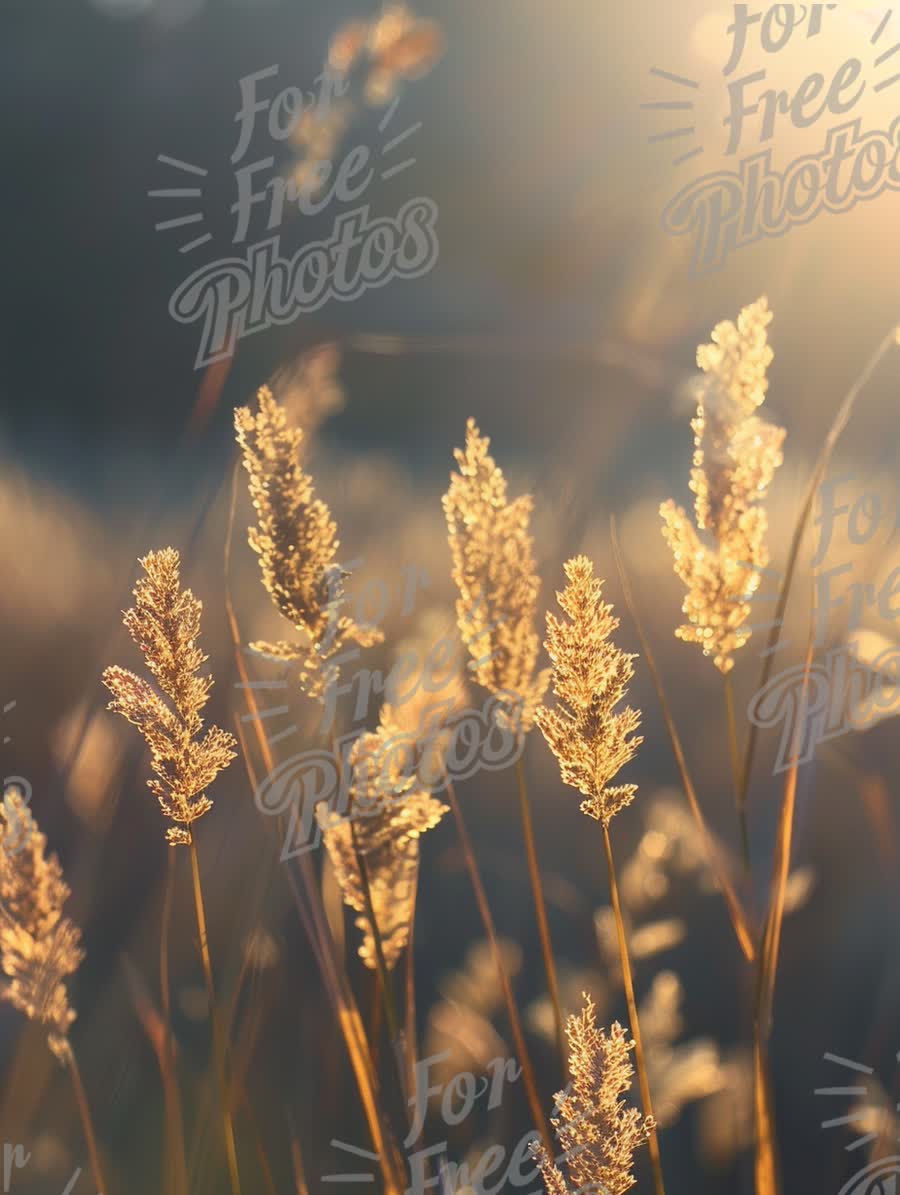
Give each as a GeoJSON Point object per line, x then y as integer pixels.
{"type": "Point", "coordinates": [563, 319]}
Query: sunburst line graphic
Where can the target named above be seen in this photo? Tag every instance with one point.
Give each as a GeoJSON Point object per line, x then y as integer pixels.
{"type": "Point", "coordinates": [667, 136]}
{"type": "Point", "coordinates": [691, 153]}
{"type": "Point", "coordinates": [10, 705]}
{"type": "Point", "coordinates": [861, 1141]}
{"type": "Point", "coordinates": [389, 114]}
{"type": "Point", "coordinates": [274, 711]}
{"type": "Point", "coordinates": [181, 193]}
{"type": "Point", "coordinates": [178, 221]}
{"type": "Point", "coordinates": [390, 146]}
{"type": "Point", "coordinates": [359, 1177]}
{"type": "Point", "coordinates": [882, 26]}
{"type": "Point", "coordinates": [176, 193]}
{"type": "Point", "coordinates": [669, 105]}
{"type": "Point", "coordinates": [176, 162]}
{"type": "Point", "coordinates": [857, 1090]}
{"type": "Point", "coordinates": [186, 193]}
{"type": "Point", "coordinates": [886, 82]}
{"type": "Point", "coordinates": [683, 81]}
{"type": "Point", "coordinates": [654, 70]}
{"type": "Point", "coordinates": [758, 598]}
{"type": "Point", "coordinates": [282, 734]}
{"type": "Point", "coordinates": [674, 106]}
{"type": "Point", "coordinates": [260, 715]}
{"type": "Point", "coordinates": [395, 141]}
{"type": "Point", "coordinates": [887, 54]}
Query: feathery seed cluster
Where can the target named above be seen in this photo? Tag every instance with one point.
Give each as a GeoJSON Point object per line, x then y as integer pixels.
{"type": "Point", "coordinates": [165, 624]}
{"type": "Point", "coordinates": [736, 454]}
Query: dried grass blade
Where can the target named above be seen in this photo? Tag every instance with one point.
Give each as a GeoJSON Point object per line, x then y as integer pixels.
{"type": "Point", "coordinates": [764, 1166]}
{"type": "Point", "coordinates": [158, 1031]}
{"type": "Point", "coordinates": [841, 419]}
{"type": "Point", "coordinates": [540, 909]}
{"type": "Point", "coordinates": [528, 1076]}
{"type": "Point", "coordinates": [312, 917]}
{"type": "Point", "coordinates": [739, 919]}
{"type": "Point", "coordinates": [764, 1120]}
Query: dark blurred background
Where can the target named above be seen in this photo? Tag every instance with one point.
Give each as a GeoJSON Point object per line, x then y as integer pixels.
{"type": "Point", "coordinates": [565, 320]}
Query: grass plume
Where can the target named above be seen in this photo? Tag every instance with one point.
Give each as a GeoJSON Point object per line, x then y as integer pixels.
{"type": "Point", "coordinates": [296, 541]}
{"type": "Point", "coordinates": [598, 1131]}
{"type": "Point", "coordinates": [39, 946]}
{"type": "Point", "coordinates": [736, 454]}
{"type": "Point", "coordinates": [592, 740]}
{"type": "Point", "coordinates": [495, 574]}
{"type": "Point", "coordinates": [165, 624]}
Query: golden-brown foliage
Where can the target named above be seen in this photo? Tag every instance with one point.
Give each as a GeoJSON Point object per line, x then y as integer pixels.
{"type": "Point", "coordinates": [590, 676]}
{"type": "Point", "coordinates": [390, 810]}
{"type": "Point", "coordinates": [39, 947]}
{"type": "Point", "coordinates": [735, 457]}
{"type": "Point", "coordinates": [388, 815]}
{"type": "Point", "coordinates": [599, 1133]}
{"type": "Point", "coordinates": [495, 574]}
{"type": "Point", "coordinates": [296, 541]}
{"type": "Point", "coordinates": [165, 624]}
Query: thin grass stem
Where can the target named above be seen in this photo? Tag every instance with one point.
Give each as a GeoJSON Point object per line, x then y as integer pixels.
{"type": "Point", "coordinates": [87, 1124]}
{"type": "Point", "coordinates": [540, 910]}
{"type": "Point", "coordinates": [735, 757]}
{"type": "Point", "coordinates": [218, 1041]}
{"type": "Point", "coordinates": [515, 1020]}
{"type": "Point", "coordinates": [743, 932]}
{"type": "Point", "coordinates": [841, 419]}
{"type": "Point", "coordinates": [410, 1009]}
{"type": "Point", "coordinates": [381, 967]}
{"type": "Point", "coordinates": [312, 915]}
{"type": "Point", "coordinates": [175, 1150]}
{"type": "Point", "coordinates": [640, 1057]}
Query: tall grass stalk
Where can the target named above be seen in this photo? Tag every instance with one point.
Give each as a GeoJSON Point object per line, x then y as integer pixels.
{"type": "Point", "coordinates": [87, 1124]}
{"type": "Point", "coordinates": [515, 1021]}
{"type": "Point", "coordinates": [175, 1147]}
{"type": "Point", "coordinates": [841, 419]}
{"type": "Point", "coordinates": [540, 910]}
{"type": "Point", "coordinates": [628, 980]}
{"type": "Point", "coordinates": [743, 930]}
{"type": "Point", "coordinates": [735, 757]}
{"type": "Point", "coordinates": [219, 1048]}
{"type": "Point", "coordinates": [384, 975]}
{"type": "Point", "coordinates": [313, 918]}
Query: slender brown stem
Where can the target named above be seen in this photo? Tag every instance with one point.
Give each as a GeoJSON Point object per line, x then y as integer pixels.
{"type": "Point", "coordinates": [218, 1042]}
{"type": "Point", "coordinates": [834, 433]}
{"type": "Point", "coordinates": [410, 1010]}
{"type": "Point", "coordinates": [384, 975]}
{"type": "Point", "coordinates": [165, 991]}
{"type": "Point", "coordinates": [540, 910]}
{"type": "Point", "coordinates": [376, 1010]}
{"type": "Point", "coordinates": [766, 1165]}
{"type": "Point", "coordinates": [765, 1170]}
{"type": "Point", "coordinates": [297, 1158]}
{"type": "Point", "coordinates": [256, 1128]}
{"type": "Point", "coordinates": [515, 1021]}
{"type": "Point", "coordinates": [314, 921]}
{"type": "Point", "coordinates": [734, 754]}
{"type": "Point", "coordinates": [177, 1160]}
{"type": "Point", "coordinates": [640, 1057]}
{"type": "Point", "coordinates": [321, 944]}
{"type": "Point", "coordinates": [84, 1111]}
{"type": "Point", "coordinates": [743, 932]}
